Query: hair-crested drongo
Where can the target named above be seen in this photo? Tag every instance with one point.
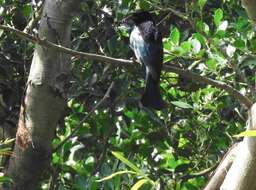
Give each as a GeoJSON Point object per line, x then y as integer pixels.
{"type": "Point", "coordinates": [146, 43]}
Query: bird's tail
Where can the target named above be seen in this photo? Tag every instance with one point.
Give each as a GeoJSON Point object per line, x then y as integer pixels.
{"type": "Point", "coordinates": [152, 97]}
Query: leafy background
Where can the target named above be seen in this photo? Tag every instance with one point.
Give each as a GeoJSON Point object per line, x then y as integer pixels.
{"type": "Point", "coordinates": [138, 148]}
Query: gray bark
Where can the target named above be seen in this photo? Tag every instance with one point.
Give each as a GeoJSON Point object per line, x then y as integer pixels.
{"type": "Point", "coordinates": [44, 100]}
{"type": "Point", "coordinates": [250, 6]}
{"type": "Point", "coordinates": [242, 172]}
{"type": "Point", "coordinates": [241, 175]}
{"type": "Point", "coordinates": [220, 173]}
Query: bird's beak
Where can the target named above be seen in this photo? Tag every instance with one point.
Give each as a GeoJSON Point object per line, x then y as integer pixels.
{"type": "Point", "coordinates": [128, 20]}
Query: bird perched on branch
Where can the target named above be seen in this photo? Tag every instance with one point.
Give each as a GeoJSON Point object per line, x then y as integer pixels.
{"type": "Point", "coordinates": [146, 43]}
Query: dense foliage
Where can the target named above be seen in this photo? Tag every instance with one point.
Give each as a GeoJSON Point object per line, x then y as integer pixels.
{"type": "Point", "coordinates": [176, 148]}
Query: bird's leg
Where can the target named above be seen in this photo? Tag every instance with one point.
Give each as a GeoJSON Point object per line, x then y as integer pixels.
{"type": "Point", "coordinates": [135, 60]}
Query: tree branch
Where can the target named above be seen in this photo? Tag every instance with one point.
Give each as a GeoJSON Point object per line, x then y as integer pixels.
{"type": "Point", "coordinates": [220, 173]}
{"type": "Point", "coordinates": [218, 84]}
{"type": "Point", "coordinates": [77, 54]}
{"type": "Point", "coordinates": [122, 62]}
{"type": "Point", "coordinates": [200, 173]}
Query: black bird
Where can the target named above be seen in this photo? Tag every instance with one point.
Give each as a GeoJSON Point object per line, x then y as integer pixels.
{"type": "Point", "coordinates": [146, 43]}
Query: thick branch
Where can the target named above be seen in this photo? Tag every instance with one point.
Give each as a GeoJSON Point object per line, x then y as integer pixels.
{"type": "Point", "coordinates": [220, 173]}
{"type": "Point", "coordinates": [122, 62]}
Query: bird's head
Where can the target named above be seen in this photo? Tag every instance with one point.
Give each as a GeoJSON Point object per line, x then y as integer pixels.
{"type": "Point", "coordinates": [138, 17]}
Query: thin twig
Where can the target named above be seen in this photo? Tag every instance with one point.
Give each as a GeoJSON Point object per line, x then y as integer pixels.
{"type": "Point", "coordinates": [34, 20]}
{"type": "Point", "coordinates": [218, 84]}
{"type": "Point", "coordinates": [200, 173]}
{"type": "Point", "coordinates": [163, 19]}
{"type": "Point", "coordinates": [105, 146]}
{"type": "Point", "coordinates": [78, 126]}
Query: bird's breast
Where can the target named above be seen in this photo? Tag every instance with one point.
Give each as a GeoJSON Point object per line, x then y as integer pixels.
{"type": "Point", "coordinates": [136, 38]}
{"type": "Point", "coordinates": [137, 44]}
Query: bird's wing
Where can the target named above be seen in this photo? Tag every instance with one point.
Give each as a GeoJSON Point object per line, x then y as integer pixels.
{"type": "Point", "coordinates": [149, 52]}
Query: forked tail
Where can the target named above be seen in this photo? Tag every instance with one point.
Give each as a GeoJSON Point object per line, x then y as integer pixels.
{"type": "Point", "coordinates": [152, 97]}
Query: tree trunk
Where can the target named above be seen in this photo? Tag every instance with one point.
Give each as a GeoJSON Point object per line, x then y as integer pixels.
{"type": "Point", "coordinates": [250, 6]}
{"type": "Point", "coordinates": [242, 172]}
{"type": "Point", "coordinates": [44, 98]}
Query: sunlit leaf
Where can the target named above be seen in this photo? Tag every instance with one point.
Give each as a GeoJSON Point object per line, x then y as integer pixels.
{"type": "Point", "coordinates": [202, 3]}
{"type": "Point", "coordinates": [181, 104]}
{"type": "Point", "coordinates": [230, 50]}
{"type": "Point", "coordinates": [223, 25]}
{"type": "Point", "coordinates": [115, 174]}
{"type": "Point", "coordinates": [248, 133]}
{"type": "Point", "coordinates": [175, 36]}
{"type": "Point", "coordinates": [217, 17]}
{"type": "Point", "coordinates": [139, 184]}
{"type": "Point", "coordinates": [196, 46]}
{"type": "Point", "coordinates": [186, 46]}
{"type": "Point", "coordinates": [119, 156]}
{"type": "Point", "coordinates": [211, 64]}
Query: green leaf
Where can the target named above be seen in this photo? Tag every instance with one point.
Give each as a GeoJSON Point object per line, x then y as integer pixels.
{"type": "Point", "coordinates": [242, 24]}
{"type": "Point", "coordinates": [123, 31]}
{"type": "Point", "coordinates": [90, 160]}
{"type": "Point", "coordinates": [144, 5]}
{"type": "Point", "coordinates": [175, 36]}
{"type": "Point", "coordinates": [201, 3]}
{"type": "Point", "coordinates": [223, 25]}
{"type": "Point", "coordinates": [27, 10]}
{"type": "Point", "coordinates": [139, 183]}
{"type": "Point", "coordinates": [168, 45]}
{"type": "Point", "coordinates": [119, 156]}
{"type": "Point", "coordinates": [202, 26]}
{"type": "Point", "coordinates": [182, 104]}
{"type": "Point", "coordinates": [211, 64]}
{"type": "Point", "coordinates": [200, 38]}
{"type": "Point", "coordinates": [115, 174]}
{"type": "Point", "coordinates": [248, 133]}
{"type": "Point", "coordinates": [217, 17]}
{"type": "Point", "coordinates": [240, 44]}
{"type": "Point", "coordinates": [4, 179]}
{"type": "Point", "coordinates": [186, 46]}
